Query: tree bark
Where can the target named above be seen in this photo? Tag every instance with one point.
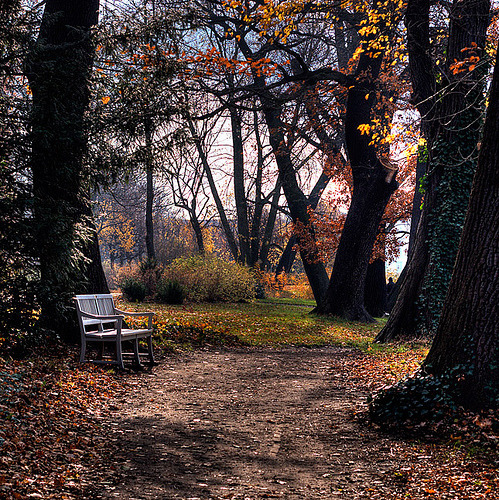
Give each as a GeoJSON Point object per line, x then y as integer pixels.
{"type": "Point", "coordinates": [373, 184]}
{"type": "Point", "coordinates": [450, 123]}
{"type": "Point", "coordinates": [467, 334]}
{"type": "Point", "coordinates": [58, 69]}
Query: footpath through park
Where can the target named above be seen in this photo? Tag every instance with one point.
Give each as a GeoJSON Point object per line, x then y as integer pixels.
{"type": "Point", "coordinates": [254, 424]}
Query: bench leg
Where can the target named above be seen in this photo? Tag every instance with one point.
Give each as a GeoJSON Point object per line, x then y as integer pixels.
{"type": "Point", "coordinates": [149, 350]}
{"type": "Point", "coordinates": [83, 350]}
{"type": "Point", "coordinates": [136, 352]}
{"type": "Point", "coordinates": [119, 355]}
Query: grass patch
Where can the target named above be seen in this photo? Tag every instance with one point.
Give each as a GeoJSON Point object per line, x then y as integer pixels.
{"type": "Point", "coordinates": [268, 322]}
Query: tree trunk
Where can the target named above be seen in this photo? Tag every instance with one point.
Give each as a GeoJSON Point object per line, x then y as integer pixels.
{"type": "Point", "coordinates": [417, 199]}
{"type": "Point", "coordinates": [451, 126]}
{"type": "Point", "coordinates": [375, 290]}
{"type": "Point", "coordinates": [373, 184]}
{"type": "Point", "coordinates": [297, 203]}
{"type": "Point", "coordinates": [229, 235]}
{"type": "Point", "coordinates": [296, 199]}
{"type": "Point", "coordinates": [269, 226]}
{"type": "Point", "coordinates": [345, 296]}
{"type": "Point", "coordinates": [198, 232]}
{"type": "Point", "coordinates": [289, 254]}
{"type": "Point", "coordinates": [256, 242]}
{"type": "Point", "coordinates": [467, 334]}
{"type": "Point", "coordinates": [58, 69]}
{"type": "Point", "coordinates": [151, 253]}
{"type": "Point", "coordinates": [239, 191]}
{"type": "Point", "coordinates": [94, 273]}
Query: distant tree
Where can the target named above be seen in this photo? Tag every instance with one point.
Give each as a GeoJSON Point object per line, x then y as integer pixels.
{"type": "Point", "coordinates": [135, 97]}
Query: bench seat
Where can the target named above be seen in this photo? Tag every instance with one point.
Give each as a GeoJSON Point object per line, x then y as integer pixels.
{"type": "Point", "coordinates": [125, 333]}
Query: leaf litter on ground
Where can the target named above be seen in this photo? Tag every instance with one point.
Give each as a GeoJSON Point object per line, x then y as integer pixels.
{"type": "Point", "coordinates": [56, 430]}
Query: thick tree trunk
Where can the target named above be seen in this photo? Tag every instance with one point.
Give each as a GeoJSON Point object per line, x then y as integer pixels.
{"type": "Point", "coordinates": [373, 184]}
{"type": "Point", "coordinates": [345, 296]}
{"type": "Point", "coordinates": [402, 320]}
{"type": "Point", "coordinates": [451, 126]}
{"type": "Point", "coordinates": [96, 281]}
{"type": "Point", "coordinates": [58, 69]}
{"type": "Point", "coordinates": [417, 199]}
{"type": "Point", "coordinates": [467, 334]}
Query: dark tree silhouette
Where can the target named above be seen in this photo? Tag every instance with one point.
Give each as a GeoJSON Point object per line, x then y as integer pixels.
{"type": "Point", "coordinates": [58, 69]}
{"type": "Point", "coordinates": [451, 107]}
{"type": "Point", "coordinates": [467, 333]}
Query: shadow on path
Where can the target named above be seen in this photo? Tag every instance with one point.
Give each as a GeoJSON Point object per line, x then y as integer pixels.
{"type": "Point", "coordinates": [249, 424]}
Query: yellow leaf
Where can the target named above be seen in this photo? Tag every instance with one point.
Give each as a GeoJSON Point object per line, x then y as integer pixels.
{"type": "Point", "coordinates": [105, 99]}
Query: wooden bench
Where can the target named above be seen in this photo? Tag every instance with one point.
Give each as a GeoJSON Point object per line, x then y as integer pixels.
{"type": "Point", "coordinates": [101, 321]}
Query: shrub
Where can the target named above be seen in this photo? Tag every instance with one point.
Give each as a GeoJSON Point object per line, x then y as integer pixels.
{"type": "Point", "coordinates": [133, 289]}
{"type": "Point", "coordinates": [170, 292]}
{"type": "Point", "coordinates": [209, 279]}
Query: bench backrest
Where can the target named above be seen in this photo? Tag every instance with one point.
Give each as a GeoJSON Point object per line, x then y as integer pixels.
{"type": "Point", "coordinates": [100, 304]}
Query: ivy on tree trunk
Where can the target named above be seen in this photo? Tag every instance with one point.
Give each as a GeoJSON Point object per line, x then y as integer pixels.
{"type": "Point", "coordinates": [58, 69]}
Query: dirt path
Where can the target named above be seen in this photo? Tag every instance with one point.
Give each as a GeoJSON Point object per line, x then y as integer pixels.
{"type": "Point", "coordinates": [250, 424]}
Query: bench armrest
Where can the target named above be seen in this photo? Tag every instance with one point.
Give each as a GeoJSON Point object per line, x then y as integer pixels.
{"type": "Point", "coordinates": [147, 314]}
{"type": "Point", "coordinates": [127, 313]}
{"type": "Point", "coordinates": [102, 317]}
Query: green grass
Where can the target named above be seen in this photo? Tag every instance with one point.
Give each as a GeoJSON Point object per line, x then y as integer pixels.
{"type": "Point", "coordinates": [269, 322]}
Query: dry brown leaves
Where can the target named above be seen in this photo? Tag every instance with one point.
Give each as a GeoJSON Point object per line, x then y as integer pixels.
{"type": "Point", "coordinates": [53, 443]}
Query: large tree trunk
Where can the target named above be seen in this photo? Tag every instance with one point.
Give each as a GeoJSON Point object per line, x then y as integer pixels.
{"type": "Point", "coordinates": [373, 184]}
{"type": "Point", "coordinates": [58, 69]}
{"type": "Point", "coordinates": [96, 281]}
{"type": "Point", "coordinates": [467, 334]}
{"type": "Point", "coordinates": [451, 127]}
{"type": "Point", "coordinates": [375, 290]}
